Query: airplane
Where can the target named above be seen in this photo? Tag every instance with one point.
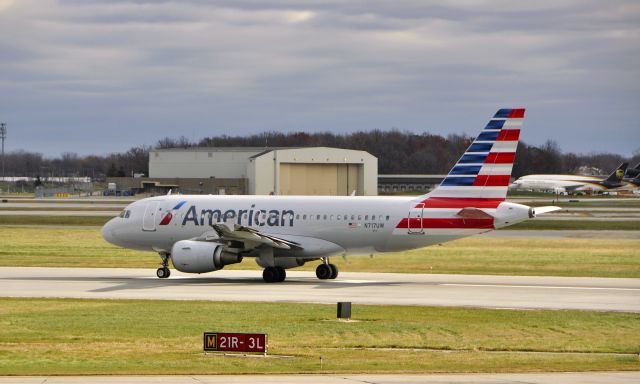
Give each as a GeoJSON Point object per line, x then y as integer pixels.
{"type": "Point", "coordinates": [632, 173]}
{"type": "Point", "coordinates": [200, 234]}
{"type": "Point", "coordinates": [632, 178]}
{"type": "Point", "coordinates": [570, 184]}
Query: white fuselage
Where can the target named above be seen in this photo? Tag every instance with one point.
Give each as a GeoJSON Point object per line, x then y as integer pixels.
{"type": "Point", "coordinates": [323, 225]}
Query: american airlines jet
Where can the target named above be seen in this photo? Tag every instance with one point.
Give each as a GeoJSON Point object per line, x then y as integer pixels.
{"type": "Point", "coordinates": [204, 233]}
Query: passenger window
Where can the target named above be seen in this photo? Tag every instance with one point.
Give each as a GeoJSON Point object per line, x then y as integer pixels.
{"type": "Point", "coordinates": [353, 217]}
{"type": "Point", "coordinates": [318, 217]}
{"type": "Point", "coordinates": [338, 217]}
{"type": "Point", "coordinates": [298, 216]}
{"type": "Point", "coordinates": [359, 217]}
{"type": "Point", "coordinates": [387, 218]}
{"type": "Point", "coordinates": [304, 217]}
{"type": "Point", "coordinates": [331, 218]}
{"type": "Point", "coordinates": [366, 217]}
{"type": "Point", "coordinates": [325, 217]}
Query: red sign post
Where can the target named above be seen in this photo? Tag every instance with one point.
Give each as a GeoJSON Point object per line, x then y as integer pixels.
{"type": "Point", "coordinates": [235, 342]}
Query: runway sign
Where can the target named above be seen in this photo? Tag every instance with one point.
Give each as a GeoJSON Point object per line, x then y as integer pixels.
{"type": "Point", "coordinates": [235, 342]}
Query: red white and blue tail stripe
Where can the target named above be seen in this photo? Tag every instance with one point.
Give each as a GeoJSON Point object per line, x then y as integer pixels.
{"type": "Point", "coordinates": [471, 198]}
{"type": "Point", "coordinates": [483, 172]}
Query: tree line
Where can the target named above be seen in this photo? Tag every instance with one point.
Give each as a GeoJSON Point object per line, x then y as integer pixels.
{"type": "Point", "coordinates": [398, 152]}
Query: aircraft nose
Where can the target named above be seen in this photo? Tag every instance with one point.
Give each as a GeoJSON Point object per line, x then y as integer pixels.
{"type": "Point", "coordinates": [108, 232]}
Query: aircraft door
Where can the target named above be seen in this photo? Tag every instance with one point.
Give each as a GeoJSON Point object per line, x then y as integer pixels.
{"type": "Point", "coordinates": [149, 218]}
{"type": "Point", "coordinates": [414, 225]}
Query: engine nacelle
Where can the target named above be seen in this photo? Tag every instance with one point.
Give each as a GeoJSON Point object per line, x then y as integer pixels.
{"type": "Point", "coordinates": [200, 256]}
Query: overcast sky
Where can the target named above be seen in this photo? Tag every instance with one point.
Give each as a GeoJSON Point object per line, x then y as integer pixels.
{"type": "Point", "coordinates": [103, 76]}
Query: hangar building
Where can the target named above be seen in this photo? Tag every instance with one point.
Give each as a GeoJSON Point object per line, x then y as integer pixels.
{"type": "Point", "coordinates": [260, 171]}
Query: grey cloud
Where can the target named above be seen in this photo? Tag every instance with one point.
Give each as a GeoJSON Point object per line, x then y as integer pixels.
{"type": "Point", "coordinates": [105, 75]}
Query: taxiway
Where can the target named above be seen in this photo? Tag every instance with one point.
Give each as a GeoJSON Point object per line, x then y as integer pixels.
{"type": "Point", "coordinates": [518, 292]}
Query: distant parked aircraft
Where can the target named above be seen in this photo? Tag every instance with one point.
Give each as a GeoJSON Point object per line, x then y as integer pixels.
{"type": "Point", "coordinates": [632, 178]}
{"type": "Point", "coordinates": [632, 173]}
{"type": "Point", "coordinates": [572, 183]}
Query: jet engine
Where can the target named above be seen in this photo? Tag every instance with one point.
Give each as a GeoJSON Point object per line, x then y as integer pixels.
{"type": "Point", "coordinates": [200, 256]}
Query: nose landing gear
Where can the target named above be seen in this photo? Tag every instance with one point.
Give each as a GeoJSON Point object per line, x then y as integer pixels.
{"type": "Point", "coordinates": [164, 271]}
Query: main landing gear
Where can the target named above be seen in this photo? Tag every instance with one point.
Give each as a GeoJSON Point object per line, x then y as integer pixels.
{"type": "Point", "coordinates": [274, 274]}
{"type": "Point", "coordinates": [164, 272]}
{"type": "Point", "coordinates": [326, 271]}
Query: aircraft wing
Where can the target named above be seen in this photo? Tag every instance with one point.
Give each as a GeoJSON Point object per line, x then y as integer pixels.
{"type": "Point", "coordinates": [249, 236]}
{"type": "Point", "coordinates": [573, 187]}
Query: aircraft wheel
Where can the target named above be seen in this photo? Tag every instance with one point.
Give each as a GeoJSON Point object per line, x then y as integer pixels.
{"type": "Point", "coordinates": [324, 271]}
{"type": "Point", "coordinates": [163, 272]}
{"type": "Point", "coordinates": [282, 274]}
{"type": "Point", "coordinates": [271, 275]}
{"type": "Point", "coordinates": [334, 271]}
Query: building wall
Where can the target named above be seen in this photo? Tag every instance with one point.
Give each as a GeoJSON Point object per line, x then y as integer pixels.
{"type": "Point", "coordinates": [317, 170]}
{"type": "Point", "coordinates": [200, 163]}
{"type": "Point", "coordinates": [262, 171]}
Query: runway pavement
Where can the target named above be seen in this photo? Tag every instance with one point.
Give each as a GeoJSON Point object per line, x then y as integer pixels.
{"type": "Point", "coordinates": [482, 378]}
{"type": "Point", "coordinates": [600, 294]}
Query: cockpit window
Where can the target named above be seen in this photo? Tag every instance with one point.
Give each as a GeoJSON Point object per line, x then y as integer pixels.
{"type": "Point", "coordinates": [125, 214]}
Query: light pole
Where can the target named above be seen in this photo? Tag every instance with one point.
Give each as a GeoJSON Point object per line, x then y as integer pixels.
{"type": "Point", "coordinates": [3, 135]}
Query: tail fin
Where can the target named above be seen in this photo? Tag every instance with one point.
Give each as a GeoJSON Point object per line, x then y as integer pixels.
{"type": "Point", "coordinates": [483, 172]}
{"type": "Point", "coordinates": [617, 175]}
{"type": "Point", "coordinates": [633, 172]}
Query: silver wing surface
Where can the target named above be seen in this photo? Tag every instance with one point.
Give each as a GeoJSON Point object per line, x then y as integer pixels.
{"type": "Point", "coordinates": [251, 238]}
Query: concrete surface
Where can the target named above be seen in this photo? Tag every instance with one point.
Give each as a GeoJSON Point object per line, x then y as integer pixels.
{"type": "Point", "coordinates": [499, 378]}
{"type": "Point", "coordinates": [521, 292]}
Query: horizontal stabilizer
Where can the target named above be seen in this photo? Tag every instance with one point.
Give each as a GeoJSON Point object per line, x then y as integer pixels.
{"type": "Point", "coordinates": [542, 210]}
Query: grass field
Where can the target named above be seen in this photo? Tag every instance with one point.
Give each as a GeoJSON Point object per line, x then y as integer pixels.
{"type": "Point", "coordinates": [54, 220]}
{"type": "Point", "coordinates": [84, 247]}
{"type": "Point", "coordinates": [64, 336]}
{"type": "Point", "coordinates": [62, 208]}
